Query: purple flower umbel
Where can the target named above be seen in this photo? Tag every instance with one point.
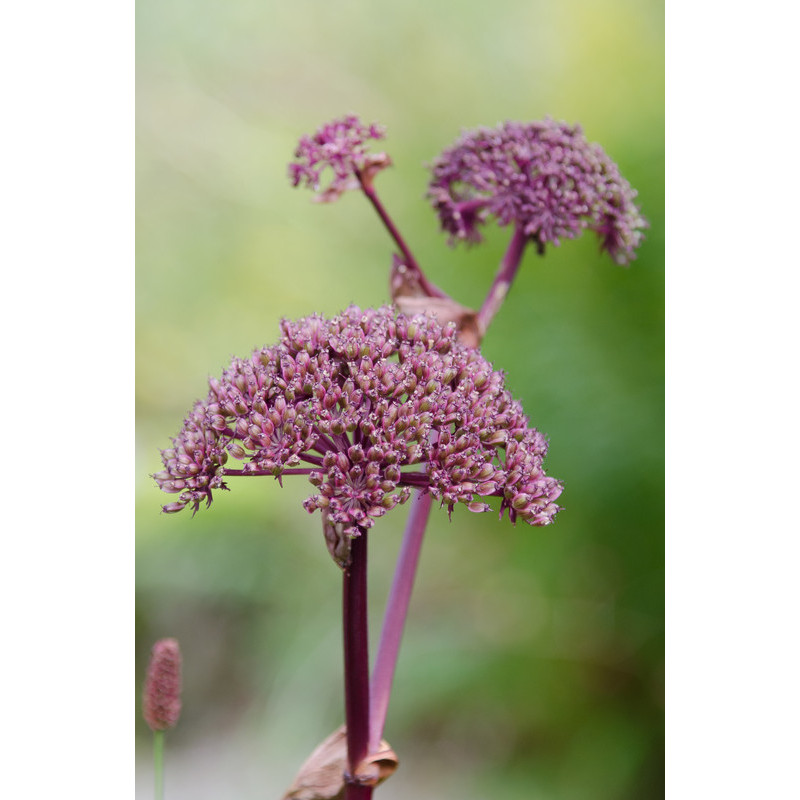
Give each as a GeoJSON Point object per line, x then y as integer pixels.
{"type": "Point", "coordinates": [543, 176]}
{"type": "Point", "coordinates": [368, 405]}
{"type": "Point", "coordinates": [342, 146]}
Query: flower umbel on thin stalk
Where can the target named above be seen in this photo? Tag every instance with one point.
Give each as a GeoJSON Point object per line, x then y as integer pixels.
{"type": "Point", "coordinates": [343, 147]}
{"type": "Point", "coordinates": [368, 405]}
{"type": "Point", "coordinates": [544, 177]}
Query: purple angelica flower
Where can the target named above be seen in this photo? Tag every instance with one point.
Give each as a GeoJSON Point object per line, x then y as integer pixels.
{"type": "Point", "coordinates": [341, 145]}
{"type": "Point", "coordinates": [368, 405]}
{"type": "Point", "coordinates": [543, 176]}
{"type": "Point", "coordinates": [162, 689]}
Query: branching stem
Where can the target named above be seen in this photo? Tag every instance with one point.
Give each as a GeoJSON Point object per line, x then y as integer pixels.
{"type": "Point", "coordinates": [408, 257]}
{"type": "Point", "coordinates": [265, 472]}
{"type": "Point", "coordinates": [503, 279]}
{"type": "Point", "coordinates": [408, 559]}
{"type": "Point", "coordinates": [395, 615]}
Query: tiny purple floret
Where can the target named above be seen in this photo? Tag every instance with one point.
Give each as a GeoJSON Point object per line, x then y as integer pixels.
{"type": "Point", "coordinates": [544, 177]}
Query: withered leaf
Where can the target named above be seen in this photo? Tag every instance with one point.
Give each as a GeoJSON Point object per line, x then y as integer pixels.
{"type": "Point", "coordinates": [410, 297]}
{"type": "Point", "coordinates": [373, 164]}
{"type": "Point", "coordinates": [338, 542]}
{"type": "Point", "coordinates": [322, 775]}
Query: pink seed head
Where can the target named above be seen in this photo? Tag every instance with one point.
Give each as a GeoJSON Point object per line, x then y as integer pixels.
{"type": "Point", "coordinates": [162, 689]}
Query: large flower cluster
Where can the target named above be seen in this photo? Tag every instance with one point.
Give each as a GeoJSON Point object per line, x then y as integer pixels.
{"type": "Point", "coordinates": [368, 405]}
{"type": "Point", "coordinates": [341, 145]}
{"type": "Point", "coordinates": [543, 176]}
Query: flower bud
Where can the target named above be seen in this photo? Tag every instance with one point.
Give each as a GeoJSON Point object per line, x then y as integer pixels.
{"type": "Point", "coordinates": [484, 472]}
{"type": "Point", "coordinates": [449, 375]}
{"type": "Point", "coordinates": [355, 454]}
{"type": "Point", "coordinates": [288, 369]}
{"type": "Point", "coordinates": [520, 501]}
{"type": "Point", "coordinates": [392, 473]}
{"type": "Point", "coordinates": [316, 478]}
{"type": "Point", "coordinates": [236, 450]}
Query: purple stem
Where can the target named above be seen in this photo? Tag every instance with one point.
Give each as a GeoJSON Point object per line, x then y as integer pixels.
{"type": "Point", "coordinates": [503, 279]}
{"type": "Point", "coordinates": [329, 445]}
{"type": "Point", "coordinates": [395, 616]}
{"type": "Point", "coordinates": [415, 479]}
{"type": "Point", "coordinates": [409, 260]}
{"type": "Point", "coordinates": [263, 472]}
{"type": "Point", "coordinates": [356, 665]}
{"type": "Point", "coordinates": [405, 570]}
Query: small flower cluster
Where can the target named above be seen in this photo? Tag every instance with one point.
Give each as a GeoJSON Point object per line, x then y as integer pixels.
{"type": "Point", "coordinates": [162, 689]}
{"type": "Point", "coordinates": [543, 176]}
{"type": "Point", "coordinates": [342, 146]}
{"type": "Point", "coordinates": [368, 405]}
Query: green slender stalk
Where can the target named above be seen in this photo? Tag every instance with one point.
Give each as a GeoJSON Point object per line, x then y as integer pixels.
{"type": "Point", "coordinates": [158, 763]}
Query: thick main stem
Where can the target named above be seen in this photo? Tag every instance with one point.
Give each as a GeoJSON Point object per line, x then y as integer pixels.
{"type": "Point", "coordinates": [408, 257]}
{"type": "Point", "coordinates": [356, 665]}
{"type": "Point", "coordinates": [395, 616]}
{"type": "Point", "coordinates": [503, 279]}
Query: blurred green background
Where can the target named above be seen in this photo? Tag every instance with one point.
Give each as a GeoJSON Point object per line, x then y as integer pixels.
{"type": "Point", "coordinates": [532, 665]}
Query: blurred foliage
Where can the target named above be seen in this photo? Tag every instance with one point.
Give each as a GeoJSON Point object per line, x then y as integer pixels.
{"type": "Point", "coordinates": [532, 665]}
